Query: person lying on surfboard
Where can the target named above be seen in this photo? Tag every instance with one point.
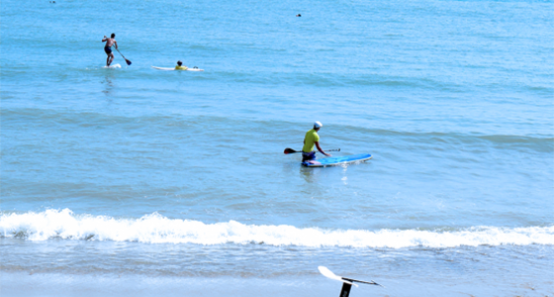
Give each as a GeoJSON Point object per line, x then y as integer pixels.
{"type": "Point", "coordinates": [311, 139]}
{"type": "Point", "coordinates": [108, 48]}
{"type": "Point", "coordinates": [180, 66]}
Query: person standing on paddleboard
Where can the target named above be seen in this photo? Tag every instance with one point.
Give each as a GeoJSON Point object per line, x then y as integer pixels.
{"type": "Point", "coordinates": [311, 139]}
{"type": "Point", "coordinates": [108, 48]}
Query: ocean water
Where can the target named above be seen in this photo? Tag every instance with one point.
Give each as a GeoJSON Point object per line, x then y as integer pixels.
{"type": "Point", "coordinates": [135, 181]}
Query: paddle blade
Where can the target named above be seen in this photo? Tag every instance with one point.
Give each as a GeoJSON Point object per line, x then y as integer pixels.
{"type": "Point", "coordinates": [289, 151]}
{"type": "Point", "coordinates": [128, 62]}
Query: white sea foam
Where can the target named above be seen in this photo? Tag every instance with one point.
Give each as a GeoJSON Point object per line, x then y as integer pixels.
{"type": "Point", "coordinates": [156, 228]}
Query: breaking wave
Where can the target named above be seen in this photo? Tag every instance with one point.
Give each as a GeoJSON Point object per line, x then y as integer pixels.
{"type": "Point", "coordinates": [155, 228]}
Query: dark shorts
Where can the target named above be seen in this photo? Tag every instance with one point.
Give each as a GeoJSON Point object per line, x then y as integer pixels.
{"type": "Point", "coordinates": [108, 49]}
{"type": "Point", "coordinates": [308, 156]}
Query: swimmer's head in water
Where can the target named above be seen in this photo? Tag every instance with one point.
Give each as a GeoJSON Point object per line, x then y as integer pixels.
{"type": "Point", "coordinates": [179, 63]}
{"type": "Point", "coordinates": [113, 35]}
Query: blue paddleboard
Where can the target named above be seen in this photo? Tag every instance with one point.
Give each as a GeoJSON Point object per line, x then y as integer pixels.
{"type": "Point", "coordinates": [337, 160]}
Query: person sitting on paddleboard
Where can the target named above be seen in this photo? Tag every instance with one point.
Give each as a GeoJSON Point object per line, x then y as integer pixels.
{"type": "Point", "coordinates": [108, 48]}
{"type": "Point", "coordinates": [312, 138]}
{"type": "Point", "coordinates": [180, 66]}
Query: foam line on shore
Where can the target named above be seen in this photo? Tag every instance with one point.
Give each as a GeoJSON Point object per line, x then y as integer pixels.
{"type": "Point", "coordinates": [155, 228]}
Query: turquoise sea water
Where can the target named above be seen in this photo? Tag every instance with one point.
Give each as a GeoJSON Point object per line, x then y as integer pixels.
{"type": "Point", "coordinates": [134, 181]}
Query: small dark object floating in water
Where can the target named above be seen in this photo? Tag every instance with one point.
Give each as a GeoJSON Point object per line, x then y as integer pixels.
{"type": "Point", "coordinates": [298, 15]}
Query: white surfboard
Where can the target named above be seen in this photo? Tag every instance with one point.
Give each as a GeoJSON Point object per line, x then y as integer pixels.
{"type": "Point", "coordinates": [173, 69]}
{"type": "Point", "coordinates": [113, 66]}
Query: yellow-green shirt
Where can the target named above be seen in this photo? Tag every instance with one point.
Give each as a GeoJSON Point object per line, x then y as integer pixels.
{"type": "Point", "coordinates": [181, 67]}
{"type": "Point", "coordinates": [309, 141]}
